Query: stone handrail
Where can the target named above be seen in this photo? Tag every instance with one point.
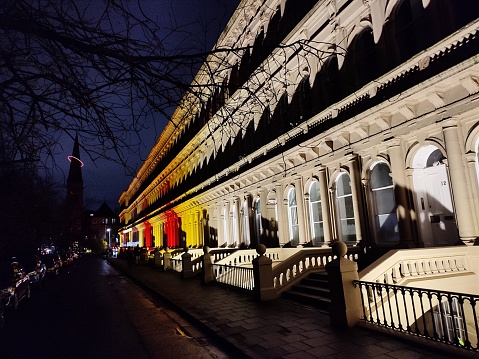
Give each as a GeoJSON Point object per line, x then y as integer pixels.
{"type": "Point", "coordinates": [197, 265]}
{"type": "Point", "coordinates": [306, 260]}
{"type": "Point", "coordinates": [221, 253]}
{"type": "Point", "coordinates": [399, 266]}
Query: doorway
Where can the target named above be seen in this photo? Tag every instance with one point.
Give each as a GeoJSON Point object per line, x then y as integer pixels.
{"type": "Point", "coordinates": [434, 204]}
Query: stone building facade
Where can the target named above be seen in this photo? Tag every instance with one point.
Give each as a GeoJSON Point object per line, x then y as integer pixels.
{"type": "Point", "coordinates": [318, 121]}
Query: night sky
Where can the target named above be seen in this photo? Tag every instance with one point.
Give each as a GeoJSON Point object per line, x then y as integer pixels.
{"type": "Point", "coordinates": [104, 180]}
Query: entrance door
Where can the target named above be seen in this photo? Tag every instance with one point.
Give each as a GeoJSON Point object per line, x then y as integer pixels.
{"type": "Point", "coordinates": [435, 209]}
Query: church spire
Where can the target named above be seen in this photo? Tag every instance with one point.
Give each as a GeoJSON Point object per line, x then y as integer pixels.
{"type": "Point", "coordinates": [75, 164]}
{"type": "Point", "coordinates": [74, 200]}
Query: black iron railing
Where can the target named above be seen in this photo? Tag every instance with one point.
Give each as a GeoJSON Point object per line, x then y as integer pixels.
{"type": "Point", "coordinates": [442, 316]}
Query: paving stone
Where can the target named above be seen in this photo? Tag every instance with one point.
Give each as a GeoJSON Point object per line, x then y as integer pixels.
{"type": "Point", "coordinates": [275, 329]}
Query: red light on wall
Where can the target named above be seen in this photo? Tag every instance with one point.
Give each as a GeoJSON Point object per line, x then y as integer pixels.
{"type": "Point", "coordinates": [73, 157]}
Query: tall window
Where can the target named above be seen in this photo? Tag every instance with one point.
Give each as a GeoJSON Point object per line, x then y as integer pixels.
{"type": "Point", "coordinates": [315, 214]}
{"type": "Point", "coordinates": [293, 217]}
{"type": "Point", "coordinates": [384, 204]}
{"type": "Point", "coordinates": [344, 204]}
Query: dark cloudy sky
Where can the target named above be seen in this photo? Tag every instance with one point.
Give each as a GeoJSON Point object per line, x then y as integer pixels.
{"type": "Point", "coordinates": [105, 180]}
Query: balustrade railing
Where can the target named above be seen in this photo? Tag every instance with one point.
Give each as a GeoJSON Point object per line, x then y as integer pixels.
{"type": "Point", "coordinates": [176, 264]}
{"type": "Point", "coordinates": [221, 253]}
{"type": "Point", "coordinates": [314, 259]}
{"type": "Point", "coordinates": [197, 265]}
{"type": "Point", "coordinates": [241, 277]}
{"type": "Point", "coordinates": [442, 316]}
{"type": "Point", "coordinates": [399, 266]}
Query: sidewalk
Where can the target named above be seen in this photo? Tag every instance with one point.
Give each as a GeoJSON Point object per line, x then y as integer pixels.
{"type": "Point", "coordinates": [275, 329]}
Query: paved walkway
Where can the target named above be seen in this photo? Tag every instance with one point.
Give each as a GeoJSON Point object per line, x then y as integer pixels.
{"type": "Point", "coordinates": [276, 329]}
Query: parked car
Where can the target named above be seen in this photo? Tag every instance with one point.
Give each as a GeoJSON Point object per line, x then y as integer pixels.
{"type": "Point", "coordinates": [52, 263]}
{"type": "Point", "coordinates": [34, 268]}
{"type": "Point", "coordinates": [14, 284]}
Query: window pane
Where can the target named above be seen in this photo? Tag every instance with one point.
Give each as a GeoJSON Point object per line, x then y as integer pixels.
{"type": "Point", "coordinates": [343, 186]}
{"type": "Point", "coordinates": [345, 207]}
{"type": "Point", "coordinates": [380, 176]}
{"type": "Point", "coordinates": [348, 230]}
{"type": "Point", "coordinates": [318, 231]}
{"type": "Point", "coordinates": [385, 202]}
{"type": "Point", "coordinates": [387, 225]}
{"type": "Point", "coordinates": [292, 197]}
{"type": "Point", "coordinates": [314, 194]}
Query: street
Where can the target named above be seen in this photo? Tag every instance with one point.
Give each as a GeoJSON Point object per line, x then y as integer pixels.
{"type": "Point", "coordinates": [92, 311]}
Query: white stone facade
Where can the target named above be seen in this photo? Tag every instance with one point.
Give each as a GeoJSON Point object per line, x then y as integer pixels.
{"type": "Point", "coordinates": [379, 150]}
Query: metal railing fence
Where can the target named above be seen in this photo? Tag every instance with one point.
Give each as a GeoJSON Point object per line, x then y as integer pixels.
{"type": "Point", "coordinates": [442, 316]}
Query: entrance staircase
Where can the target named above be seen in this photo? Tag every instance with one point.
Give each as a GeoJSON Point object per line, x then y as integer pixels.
{"type": "Point", "coordinates": [312, 291]}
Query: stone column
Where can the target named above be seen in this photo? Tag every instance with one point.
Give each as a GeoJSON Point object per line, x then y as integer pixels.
{"type": "Point", "coordinates": [221, 224]}
{"type": "Point", "coordinates": [472, 174]}
{"type": "Point", "coordinates": [325, 208]}
{"type": "Point", "coordinates": [207, 270]}
{"type": "Point", "coordinates": [302, 222]}
{"type": "Point", "coordinates": [282, 225]}
{"type": "Point", "coordinates": [187, 269]}
{"type": "Point", "coordinates": [404, 207]}
{"type": "Point", "coordinates": [357, 199]}
{"type": "Point", "coordinates": [237, 236]}
{"type": "Point", "coordinates": [263, 276]}
{"type": "Point", "coordinates": [166, 260]}
{"type": "Point", "coordinates": [345, 308]}
{"type": "Point", "coordinates": [227, 223]}
{"type": "Point", "coordinates": [455, 160]}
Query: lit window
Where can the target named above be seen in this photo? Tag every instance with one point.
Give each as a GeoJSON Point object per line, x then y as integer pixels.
{"type": "Point", "coordinates": [344, 204]}
{"type": "Point", "coordinates": [293, 217]}
{"type": "Point", "coordinates": [384, 204]}
{"type": "Point", "coordinates": [315, 214]}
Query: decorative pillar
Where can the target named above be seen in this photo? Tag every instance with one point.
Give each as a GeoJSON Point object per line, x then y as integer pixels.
{"type": "Point", "coordinates": [207, 270]}
{"type": "Point", "coordinates": [473, 176]}
{"type": "Point", "coordinates": [455, 159]}
{"type": "Point", "coordinates": [345, 308]}
{"type": "Point", "coordinates": [227, 224]}
{"type": "Point", "coordinates": [404, 206]}
{"type": "Point", "coordinates": [187, 268]}
{"type": "Point", "coordinates": [302, 232]}
{"type": "Point", "coordinates": [221, 224]}
{"type": "Point", "coordinates": [263, 276]}
{"type": "Point", "coordinates": [282, 225]}
{"type": "Point", "coordinates": [325, 207]}
{"type": "Point", "coordinates": [237, 232]}
{"type": "Point", "coordinates": [166, 260]}
{"type": "Point", "coordinates": [357, 199]}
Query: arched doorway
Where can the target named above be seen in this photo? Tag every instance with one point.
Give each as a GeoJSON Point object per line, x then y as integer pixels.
{"type": "Point", "coordinates": [435, 210]}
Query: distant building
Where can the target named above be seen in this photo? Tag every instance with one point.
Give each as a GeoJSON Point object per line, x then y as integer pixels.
{"type": "Point", "coordinates": [101, 224]}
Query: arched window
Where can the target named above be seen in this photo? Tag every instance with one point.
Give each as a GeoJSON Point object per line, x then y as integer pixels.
{"type": "Point", "coordinates": [293, 217]}
{"type": "Point", "coordinates": [382, 194]}
{"type": "Point", "coordinates": [344, 204]}
{"type": "Point", "coordinates": [315, 214]}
